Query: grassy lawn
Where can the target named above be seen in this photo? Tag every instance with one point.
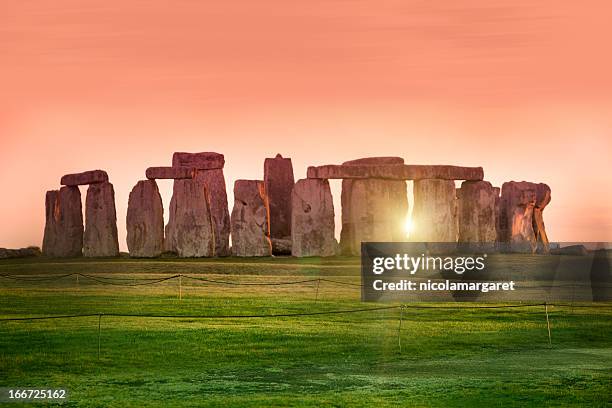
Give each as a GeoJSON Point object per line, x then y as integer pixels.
{"type": "Point", "coordinates": [459, 357]}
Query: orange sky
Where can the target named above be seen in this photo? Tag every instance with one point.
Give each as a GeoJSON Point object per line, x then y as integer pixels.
{"type": "Point", "coordinates": [522, 88]}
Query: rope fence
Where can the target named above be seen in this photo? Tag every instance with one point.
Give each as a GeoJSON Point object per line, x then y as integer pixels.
{"type": "Point", "coordinates": [402, 308]}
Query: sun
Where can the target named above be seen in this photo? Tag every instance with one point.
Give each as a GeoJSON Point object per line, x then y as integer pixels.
{"type": "Point", "coordinates": [408, 226]}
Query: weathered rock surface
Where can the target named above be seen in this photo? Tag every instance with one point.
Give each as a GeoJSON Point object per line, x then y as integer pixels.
{"type": "Point", "coordinates": [395, 172]}
{"type": "Point", "coordinates": [435, 211]}
{"type": "Point", "coordinates": [477, 211]}
{"type": "Point", "coordinates": [153, 173]}
{"type": "Point", "coordinates": [312, 222]}
{"type": "Point", "coordinates": [521, 222]}
{"type": "Point", "coordinates": [250, 231]}
{"type": "Point", "coordinates": [64, 223]}
{"type": "Point", "coordinates": [372, 209]}
{"type": "Point", "coordinates": [145, 220]}
{"type": "Point", "coordinates": [100, 238]}
{"type": "Point", "coordinates": [87, 177]}
{"type": "Point", "coordinates": [214, 181]}
{"type": "Point", "coordinates": [199, 161]}
{"type": "Point", "coordinates": [190, 231]}
{"type": "Point", "coordinates": [278, 183]}
{"type": "Point", "coordinates": [281, 246]}
{"type": "Point", "coordinates": [6, 253]}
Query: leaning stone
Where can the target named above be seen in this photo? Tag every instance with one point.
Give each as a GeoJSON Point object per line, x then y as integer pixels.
{"type": "Point", "coordinates": [87, 177]}
{"type": "Point", "coordinates": [521, 223]}
{"type": "Point", "coordinates": [477, 209]}
{"type": "Point", "coordinates": [250, 231]}
{"type": "Point", "coordinates": [199, 161]}
{"type": "Point", "coordinates": [435, 211]}
{"type": "Point", "coordinates": [278, 181]}
{"type": "Point", "coordinates": [190, 231]}
{"type": "Point", "coordinates": [153, 173]}
{"type": "Point", "coordinates": [312, 220]}
{"type": "Point", "coordinates": [100, 238]}
{"type": "Point", "coordinates": [64, 223]}
{"type": "Point", "coordinates": [145, 221]}
{"type": "Point", "coordinates": [395, 172]}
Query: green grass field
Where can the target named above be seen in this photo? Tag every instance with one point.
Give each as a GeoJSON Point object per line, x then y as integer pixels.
{"type": "Point", "coordinates": [456, 357]}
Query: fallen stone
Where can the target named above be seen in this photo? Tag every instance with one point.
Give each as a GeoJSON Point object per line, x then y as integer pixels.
{"type": "Point", "coordinates": [199, 161]}
{"type": "Point", "coordinates": [29, 252]}
{"type": "Point", "coordinates": [153, 173]}
{"type": "Point", "coordinates": [576, 250]}
{"type": "Point", "coordinates": [278, 182]}
{"type": "Point", "coordinates": [395, 172]}
{"type": "Point", "coordinates": [435, 211]}
{"type": "Point", "coordinates": [281, 246]}
{"type": "Point", "coordinates": [249, 221]}
{"type": "Point", "coordinates": [87, 177]}
{"type": "Point", "coordinates": [312, 220]}
{"type": "Point", "coordinates": [521, 222]}
{"type": "Point", "coordinates": [63, 235]}
{"type": "Point", "coordinates": [145, 220]}
{"type": "Point", "coordinates": [100, 238]}
{"type": "Point", "coordinates": [477, 212]}
{"type": "Point", "coordinates": [372, 209]}
{"type": "Point", "coordinates": [190, 231]}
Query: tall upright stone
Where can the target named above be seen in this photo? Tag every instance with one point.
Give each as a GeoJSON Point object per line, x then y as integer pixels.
{"type": "Point", "coordinates": [312, 219]}
{"type": "Point", "coordinates": [372, 209]}
{"type": "Point", "coordinates": [521, 222]}
{"type": "Point", "coordinates": [250, 229]}
{"type": "Point", "coordinates": [63, 235]}
{"type": "Point", "coordinates": [435, 211]}
{"type": "Point", "coordinates": [278, 183]}
{"type": "Point", "coordinates": [477, 212]}
{"type": "Point", "coordinates": [190, 232]}
{"type": "Point", "coordinates": [100, 238]}
{"type": "Point", "coordinates": [208, 172]}
{"type": "Point", "coordinates": [145, 220]}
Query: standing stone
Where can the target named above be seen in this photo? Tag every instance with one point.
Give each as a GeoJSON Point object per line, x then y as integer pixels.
{"type": "Point", "coordinates": [64, 223]}
{"type": "Point", "coordinates": [100, 237]}
{"type": "Point", "coordinates": [209, 173]}
{"type": "Point", "coordinates": [312, 219]}
{"type": "Point", "coordinates": [477, 209]}
{"type": "Point", "coordinates": [521, 222]}
{"type": "Point", "coordinates": [435, 211]}
{"type": "Point", "coordinates": [190, 231]}
{"type": "Point", "coordinates": [145, 220]}
{"type": "Point", "coordinates": [372, 209]}
{"type": "Point", "coordinates": [278, 182]}
{"type": "Point", "coordinates": [250, 231]}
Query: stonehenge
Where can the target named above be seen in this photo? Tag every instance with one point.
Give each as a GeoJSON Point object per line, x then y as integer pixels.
{"type": "Point", "coordinates": [145, 221]}
{"type": "Point", "coordinates": [100, 237]}
{"type": "Point", "coordinates": [312, 221]}
{"type": "Point", "coordinates": [190, 229]}
{"type": "Point", "coordinates": [477, 212]}
{"type": "Point", "coordinates": [87, 177]}
{"type": "Point", "coordinates": [63, 235]}
{"type": "Point", "coordinates": [208, 184]}
{"type": "Point", "coordinates": [250, 223]}
{"type": "Point", "coordinates": [278, 216]}
{"type": "Point", "coordinates": [372, 209]}
{"type": "Point", "coordinates": [278, 184]}
{"type": "Point", "coordinates": [521, 222]}
{"type": "Point", "coordinates": [153, 173]}
{"type": "Point", "coordinates": [435, 211]}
